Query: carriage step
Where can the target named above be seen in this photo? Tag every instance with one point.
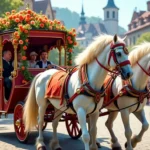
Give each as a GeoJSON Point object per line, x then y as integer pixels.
{"type": "Point", "coordinates": [3, 114]}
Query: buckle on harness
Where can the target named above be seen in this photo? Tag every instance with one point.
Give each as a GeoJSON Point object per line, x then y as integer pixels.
{"type": "Point", "coordinates": [78, 91]}
{"type": "Point", "coordinates": [120, 93]}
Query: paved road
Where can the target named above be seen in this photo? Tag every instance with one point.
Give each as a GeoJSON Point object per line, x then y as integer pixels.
{"type": "Point", "coordinates": [8, 140]}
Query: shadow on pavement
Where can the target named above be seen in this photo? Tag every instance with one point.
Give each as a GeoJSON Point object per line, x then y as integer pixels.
{"type": "Point", "coordinates": [65, 141]}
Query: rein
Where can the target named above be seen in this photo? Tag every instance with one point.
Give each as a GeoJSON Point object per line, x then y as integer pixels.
{"type": "Point", "coordinates": [143, 69]}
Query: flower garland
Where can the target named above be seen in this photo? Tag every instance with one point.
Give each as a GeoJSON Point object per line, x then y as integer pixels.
{"type": "Point", "coordinates": [26, 20]}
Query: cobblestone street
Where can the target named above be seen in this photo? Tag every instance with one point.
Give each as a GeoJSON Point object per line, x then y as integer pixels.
{"type": "Point", "coordinates": [8, 139]}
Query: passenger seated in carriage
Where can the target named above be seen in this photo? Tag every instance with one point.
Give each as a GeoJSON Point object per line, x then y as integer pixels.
{"type": "Point", "coordinates": [32, 62]}
{"type": "Point", "coordinates": [44, 63]}
{"type": "Point", "coordinates": [19, 55]}
{"type": "Point", "coordinates": [7, 69]}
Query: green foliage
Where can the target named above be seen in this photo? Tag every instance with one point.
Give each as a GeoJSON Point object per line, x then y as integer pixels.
{"type": "Point", "coordinates": [8, 5]}
{"type": "Point", "coordinates": [143, 37]}
{"type": "Point", "coordinates": [72, 19]}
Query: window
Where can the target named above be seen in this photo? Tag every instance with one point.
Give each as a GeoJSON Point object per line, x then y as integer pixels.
{"type": "Point", "coordinates": [113, 14]}
{"type": "Point", "coordinates": [107, 14]}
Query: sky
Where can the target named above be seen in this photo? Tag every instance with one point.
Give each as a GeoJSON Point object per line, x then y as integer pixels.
{"type": "Point", "coordinates": [95, 8]}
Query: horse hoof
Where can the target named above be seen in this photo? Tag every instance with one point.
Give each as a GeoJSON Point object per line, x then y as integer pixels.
{"type": "Point", "coordinates": [98, 144]}
{"type": "Point", "coordinates": [125, 145]}
{"type": "Point", "coordinates": [116, 148]}
{"type": "Point", "coordinates": [41, 148]}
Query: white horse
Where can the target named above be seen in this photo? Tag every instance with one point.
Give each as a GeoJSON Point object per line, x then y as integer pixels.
{"type": "Point", "coordinates": [140, 62]}
{"type": "Point", "coordinates": [106, 52]}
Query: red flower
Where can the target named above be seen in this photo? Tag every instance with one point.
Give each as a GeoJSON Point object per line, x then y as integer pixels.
{"type": "Point", "coordinates": [20, 42]}
{"type": "Point", "coordinates": [26, 31]}
{"type": "Point", "coordinates": [42, 25]}
{"type": "Point", "coordinates": [21, 28]}
{"type": "Point", "coordinates": [24, 57]}
{"type": "Point", "coordinates": [68, 38]}
{"type": "Point", "coordinates": [27, 40]}
{"type": "Point", "coordinates": [24, 82]}
{"type": "Point", "coordinates": [70, 50]}
{"type": "Point", "coordinates": [16, 33]}
{"type": "Point", "coordinates": [29, 11]}
{"type": "Point", "coordinates": [17, 20]}
{"type": "Point", "coordinates": [24, 47]}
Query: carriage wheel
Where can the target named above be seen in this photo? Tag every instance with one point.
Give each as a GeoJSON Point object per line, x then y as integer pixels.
{"type": "Point", "coordinates": [22, 136]}
{"type": "Point", "coordinates": [44, 126]}
{"type": "Point", "coordinates": [73, 126]}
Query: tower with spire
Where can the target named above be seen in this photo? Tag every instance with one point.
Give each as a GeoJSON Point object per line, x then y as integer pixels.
{"type": "Point", "coordinates": [111, 17]}
{"type": "Point", "coordinates": [82, 18]}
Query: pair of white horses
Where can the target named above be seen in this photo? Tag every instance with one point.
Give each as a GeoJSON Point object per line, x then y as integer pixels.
{"type": "Point", "coordinates": [105, 53]}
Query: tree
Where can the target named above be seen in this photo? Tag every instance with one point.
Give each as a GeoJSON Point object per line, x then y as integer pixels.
{"type": "Point", "coordinates": [144, 37]}
{"type": "Point", "coordinates": [8, 5]}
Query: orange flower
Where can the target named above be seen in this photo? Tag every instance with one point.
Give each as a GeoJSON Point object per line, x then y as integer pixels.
{"type": "Point", "coordinates": [16, 33]}
{"type": "Point", "coordinates": [62, 27]}
{"type": "Point", "coordinates": [74, 35]}
{"type": "Point", "coordinates": [20, 42]}
{"type": "Point", "coordinates": [21, 28]}
{"type": "Point", "coordinates": [7, 13]}
{"type": "Point", "coordinates": [74, 30]}
{"type": "Point", "coordinates": [15, 41]}
{"type": "Point", "coordinates": [7, 23]}
{"type": "Point", "coordinates": [17, 20]}
{"type": "Point", "coordinates": [70, 50]}
{"type": "Point", "coordinates": [29, 11]}
{"type": "Point", "coordinates": [13, 11]}
{"type": "Point", "coordinates": [24, 47]}
{"type": "Point", "coordinates": [42, 25]}
{"type": "Point", "coordinates": [70, 42]}
{"type": "Point", "coordinates": [70, 32]}
{"type": "Point", "coordinates": [27, 40]}
{"type": "Point", "coordinates": [75, 43]}
{"type": "Point", "coordinates": [23, 68]}
{"type": "Point", "coordinates": [24, 82]}
{"type": "Point", "coordinates": [58, 22]}
{"type": "Point", "coordinates": [27, 19]}
{"type": "Point", "coordinates": [24, 57]}
{"type": "Point", "coordinates": [51, 22]}
{"type": "Point", "coordinates": [25, 31]}
{"type": "Point", "coordinates": [21, 17]}
{"type": "Point", "coordinates": [10, 17]}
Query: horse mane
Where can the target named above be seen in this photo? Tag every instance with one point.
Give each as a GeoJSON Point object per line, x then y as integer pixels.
{"type": "Point", "coordinates": [94, 49]}
{"type": "Point", "coordinates": [138, 52]}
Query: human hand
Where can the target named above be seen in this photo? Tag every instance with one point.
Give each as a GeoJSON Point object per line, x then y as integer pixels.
{"type": "Point", "coordinates": [49, 66]}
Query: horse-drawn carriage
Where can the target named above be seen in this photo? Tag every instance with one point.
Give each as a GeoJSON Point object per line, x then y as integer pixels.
{"type": "Point", "coordinates": [82, 83]}
{"type": "Point", "coordinates": [35, 39]}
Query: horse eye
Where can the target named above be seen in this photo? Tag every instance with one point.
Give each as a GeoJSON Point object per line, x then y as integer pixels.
{"type": "Point", "coordinates": [119, 54]}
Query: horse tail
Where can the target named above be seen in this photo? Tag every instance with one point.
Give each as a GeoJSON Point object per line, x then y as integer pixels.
{"type": "Point", "coordinates": [30, 112]}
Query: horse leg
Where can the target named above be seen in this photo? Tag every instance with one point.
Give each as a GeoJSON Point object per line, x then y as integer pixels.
{"type": "Point", "coordinates": [54, 144]}
{"type": "Point", "coordinates": [141, 117]}
{"type": "Point", "coordinates": [109, 124]}
{"type": "Point", "coordinates": [128, 132]}
{"type": "Point", "coordinates": [82, 120]}
{"type": "Point", "coordinates": [93, 130]}
{"type": "Point", "coordinates": [42, 108]}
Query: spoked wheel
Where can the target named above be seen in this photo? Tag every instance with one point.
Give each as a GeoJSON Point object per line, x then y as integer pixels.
{"type": "Point", "coordinates": [73, 126]}
{"type": "Point", "coordinates": [22, 136]}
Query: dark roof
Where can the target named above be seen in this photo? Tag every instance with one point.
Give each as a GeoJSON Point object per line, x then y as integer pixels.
{"type": "Point", "coordinates": [95, 29]}
{"type": "Point", "coordinates": [39, 6]}
{"type": "Point", "coordinates": [110, 4]}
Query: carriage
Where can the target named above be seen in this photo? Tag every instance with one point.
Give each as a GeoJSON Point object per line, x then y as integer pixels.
{"type": "Point", "coordinates": [53, 36]}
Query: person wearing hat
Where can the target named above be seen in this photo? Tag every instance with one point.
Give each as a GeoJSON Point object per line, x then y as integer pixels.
{"type": "Point", "coordinates": [32, 62]}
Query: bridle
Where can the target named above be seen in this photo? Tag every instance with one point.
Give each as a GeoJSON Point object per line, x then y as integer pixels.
{"type": "Point", "coordinates": [147, 73]}
{"type": "Point", "coordinates": [113, 55]}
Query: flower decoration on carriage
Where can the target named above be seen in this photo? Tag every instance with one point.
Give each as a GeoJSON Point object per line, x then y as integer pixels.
{"type": "Point", "coordinates": [25, 20]}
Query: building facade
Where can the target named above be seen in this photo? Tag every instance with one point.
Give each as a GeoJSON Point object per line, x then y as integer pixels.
{"type": "Point", "coordinates": [87, 32]}
{"type": "Point", "coordinates": [140, 23]}
{"type": "Point", "coordinates": [43, 6]}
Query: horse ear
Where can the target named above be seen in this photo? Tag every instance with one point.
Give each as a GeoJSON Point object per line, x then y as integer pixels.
{"type": "Point", "coordinates": [115, 38]}
{"type": "Point", "coordinates": [124, 38]}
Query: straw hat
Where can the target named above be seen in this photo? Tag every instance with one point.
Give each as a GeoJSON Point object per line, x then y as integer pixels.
{"type": "Point", "coordinates": [33, 53]}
